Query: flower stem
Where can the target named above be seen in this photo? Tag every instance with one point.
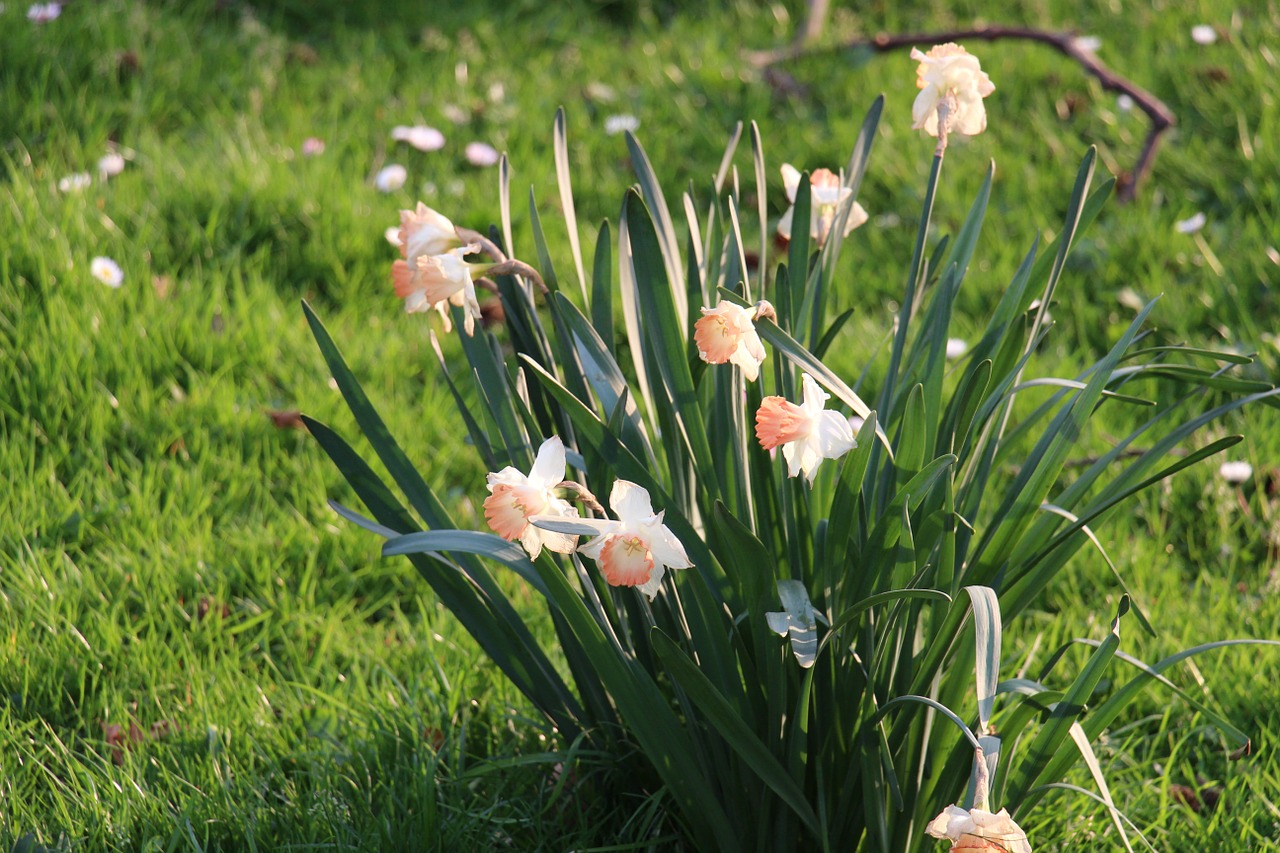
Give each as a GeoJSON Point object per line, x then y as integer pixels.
{"type": "Point", "coordinates": [887, 391]}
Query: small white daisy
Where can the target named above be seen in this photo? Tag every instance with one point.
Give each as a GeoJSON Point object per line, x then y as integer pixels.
{"type": "Point", "coordinates": [106, 271]}
{"type": "Point", "coordinates": [1089, 44]}
{"type": "Point", "coordinates": [482, 154]}
{"type": "Point", "coordinates": [419, 136]}
{"type": "Point", "coordinates": [42, 13]}
{"type": "Point", "coordinates": [956, 347]}
{"type": "Point", "coordinates": [111, 165]}
{"type": "Point", "coordinates": [1204, 34]}
{"type": "Point", "coordinates": [455, 113]}
{"type": "Point", "coordinates": [614, 125]}
{"type": "Point", "coordinates": [1236, 473]}
{"type": "Point", "coordinates": [74, 183]}
{"type": "Point", "coordinates": [391, 178]}
{"type": "Point", "coordinates": [1124, 103]}
{"type": "Point", "coordinates": [1191, 224]}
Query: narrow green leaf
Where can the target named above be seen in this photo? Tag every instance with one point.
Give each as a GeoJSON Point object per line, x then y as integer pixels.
{"type": "Point", "coordinates": [561, 145]}
{"type": "Point", "coordinates": [987, 634]}
{"type": "Point", "coordinates": [727, 720]}
{"type": "Point", "coordinates": [666, 232]}
{"type": "Point", "coordinates": [602, 289]}
{"type": "Point", "coordinates": [1036, 759]}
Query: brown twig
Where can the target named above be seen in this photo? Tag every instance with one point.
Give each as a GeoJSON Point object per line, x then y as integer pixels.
{"type": "Point", "coordinates": [1066, 43]}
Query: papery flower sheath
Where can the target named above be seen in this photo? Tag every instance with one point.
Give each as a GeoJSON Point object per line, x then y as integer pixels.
{"type": "Point", "coordinates": [637, 549]}
{"type": "Point", "coordinates": [948, 75]}
{"type": "Point", "coordinates": [807, 432]}
{"type": "Point", "coordinates": [978, 829]}
{"type": "Point", "coordinates": [826, 196]}
{"type": "Point", "coordinates": [514, 497]}
{"type": "Point", "coordinates": [433, 280]}
{"type": "Point", "coordinates": [727, 333]}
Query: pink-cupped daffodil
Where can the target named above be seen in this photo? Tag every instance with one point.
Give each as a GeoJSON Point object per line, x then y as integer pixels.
{"type": "Point", "coordinates": [438, 281]}
{"type": "Point", "coordinates": [977, 829]}
{"type": "Point", "coordinates": [827, 195]}
{"type": "Point", "coordinates": [807, 432]}
{"type": "Point", "coordinates": [515, 497]}
{"type": "Point", "coordinates": [727, 333]}
{"type": "Point", "coordinates": [637, 549]}
{"type": "Point", "coordinates": [952, 85]}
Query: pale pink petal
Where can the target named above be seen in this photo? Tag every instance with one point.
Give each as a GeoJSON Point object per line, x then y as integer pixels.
{"type": "Point", "coordinates": [625, 560]}
{"type": "Point", "coordinates": [779, 421]}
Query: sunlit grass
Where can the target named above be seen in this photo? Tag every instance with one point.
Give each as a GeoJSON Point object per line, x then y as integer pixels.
{"type": "Point", "coordinates": [167, 559]}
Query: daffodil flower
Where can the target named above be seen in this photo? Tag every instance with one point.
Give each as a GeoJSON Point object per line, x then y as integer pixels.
{"type": "Point", "coordinates": [727, 333]}
{"type": "Point", "coordinates": [826, 195]}
{"type": "Point", "coordinates": [515, 497]}
{"type": "Point", "coordinates": [637, 549]}
{"type": "Point", "coordinates": [950, 79]}
{"type": "Point", "coordinates": [977, 829]}
{"type": "Point", "coordinates": [807, 432]}
{"type": "Point", "coordinates": [436, 281]}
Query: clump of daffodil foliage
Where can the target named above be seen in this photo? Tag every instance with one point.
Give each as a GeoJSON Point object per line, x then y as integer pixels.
{"type": "Point", "coordinates": [778, 594]}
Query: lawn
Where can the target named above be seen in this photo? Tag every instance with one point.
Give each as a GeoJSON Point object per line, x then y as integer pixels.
{"type": "Point", "coordinates": [196, 653]}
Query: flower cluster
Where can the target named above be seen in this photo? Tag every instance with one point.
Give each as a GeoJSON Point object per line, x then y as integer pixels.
{"type": "Point", "coordinates": [635, 550]}
{"type": "Point", "coordinates": [432, 272]}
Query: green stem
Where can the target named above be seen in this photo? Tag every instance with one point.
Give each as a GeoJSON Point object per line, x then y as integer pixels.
{"type": "Point", "coordinates": [904, 315]}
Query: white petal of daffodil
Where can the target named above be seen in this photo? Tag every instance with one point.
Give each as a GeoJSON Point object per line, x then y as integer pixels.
{"type": "Point", "coordinates": [636, 549]}
{"type": "Point", "coordinates": [807, 433]}
{"type": "Point", "coordinates": [827, 194]}
{"type": "Point", "coordinates": [515, 497]}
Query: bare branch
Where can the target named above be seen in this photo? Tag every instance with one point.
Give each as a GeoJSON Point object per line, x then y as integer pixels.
{"type": "Point", "coordinates": [1066, 43]}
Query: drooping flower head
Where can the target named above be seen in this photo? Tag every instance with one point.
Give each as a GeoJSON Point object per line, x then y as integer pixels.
{"type": "Point", "coordinates": [514, 497]}
{"type": "Point", "coordinates": [727, 333]}
{"type": "Point", "coordinates": [637, 549]}
{"type": "Point", "coordinates": [826, 196]}
{"type": "Point", "coordinates": [807, 432]}
{"type": "Point", "coordinates": [951, 78]}
{"type": "Point", "coordinates": [431, 281]}
{"type": "Point", "coordinates": [977, 829]}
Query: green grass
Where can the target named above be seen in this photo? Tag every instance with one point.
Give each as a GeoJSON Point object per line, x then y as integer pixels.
{"type": "Point", "coordinates": [167, 558]}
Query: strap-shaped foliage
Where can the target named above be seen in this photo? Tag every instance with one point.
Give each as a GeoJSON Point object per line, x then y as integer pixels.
{"type": "Point", "coordinates": [822, 674]}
